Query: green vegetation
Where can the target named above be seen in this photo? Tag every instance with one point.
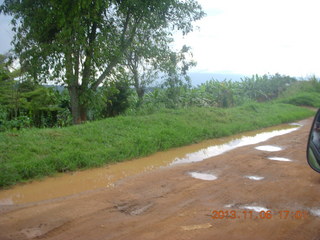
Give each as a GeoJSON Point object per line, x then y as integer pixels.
{"type": "Point", "coordinates": [303, 93]}
{"type": "Point", "coordinates": [170, 115]}
{"type": "Point", "coordinates": [311, 99]}
{"type": "Point", "coordinates": [106, 55]}
{"type": "Point", "coordinates": [86, 44]}
{"type": "Point", "coordinates": [34, 153]}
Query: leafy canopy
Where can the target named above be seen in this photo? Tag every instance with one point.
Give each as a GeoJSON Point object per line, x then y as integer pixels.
{"type": "Point", "coordinates": [80, 41]}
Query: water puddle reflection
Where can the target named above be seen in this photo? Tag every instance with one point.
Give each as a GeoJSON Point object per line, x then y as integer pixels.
{"type": "Point", "coordinates": [248, 207]}
{"type": "Point", "coordinates": [269, 148]}
{"type": "Point", "coordinates": [296, 124]}
{"type": "Point", "coordinates": [203, 176]}
{"type": "Point", "coordinates": [255, 178]}
{"type": "Point", "coordinates": [81, 181]}
{"type": "Point", "coordinates": [255, 208]}
{"type": "Point", "coordinates": [281, 159]}
{"type": "Point", "coordinates": [315, 212]}
{"type": "Point", "coordinates": [239, 142]}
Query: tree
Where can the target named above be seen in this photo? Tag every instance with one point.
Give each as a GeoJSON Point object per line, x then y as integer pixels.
{"type": "Point", "coordinates": [10, 99]}
{"type": "Point", "coordinates": [147, 58]}
{"type": "Point", "coordinates": [142, 69]}
{"type": "Point", "coordinates": [79, 43]}
{"type": "Point", "coordinates": [5, 80]}
{"type": "Point", "coordinates": [116, 95]}
{"type": "Point", "coordinates": [176, 78]}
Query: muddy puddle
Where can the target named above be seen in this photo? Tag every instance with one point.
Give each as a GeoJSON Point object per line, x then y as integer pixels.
{"type": "Point", "coordinates": [269, 148]}
{"type": "Point", "coordinates": [82, 181]}
{"type": "Point", "coordinates": [254, 207]}
{"type": "Point", "coordinates": [281, 159]}
{"type": "Point", "coordinates": [203, 176]}
{"type": "Point", "coordinates": [315, 212]}
{"type": "Point", "coordinates": [217, 149]}
{"type": "Point", "coordinates": [255, 178]}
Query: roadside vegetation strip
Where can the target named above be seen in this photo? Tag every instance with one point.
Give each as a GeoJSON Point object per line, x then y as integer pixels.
{"type": "Point", "coordinates": [311, 99]}
{"type": "Point", "coordinates": [35, 153]}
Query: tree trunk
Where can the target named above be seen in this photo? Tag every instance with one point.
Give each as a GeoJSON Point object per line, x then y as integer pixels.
{"type": "Point", "coordinates": [78, 110]}
{"type": "Point", "coordinates": [83, 113]}
{"type": "Point", "coordinates": [75, 104]}
{"type": "Point", "coordinates": [138, 87]}
{"type": "Point", "coordinates": [140, 93]}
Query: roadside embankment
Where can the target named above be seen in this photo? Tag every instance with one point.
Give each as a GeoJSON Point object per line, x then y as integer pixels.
{"type": "Point", "coordinates": [35, 153]}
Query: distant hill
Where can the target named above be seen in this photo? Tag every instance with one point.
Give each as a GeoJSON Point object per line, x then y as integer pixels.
{"type": "Point", "coordinates": [196, 79]}
{"type": "Point", "coordinates": [199, 78]}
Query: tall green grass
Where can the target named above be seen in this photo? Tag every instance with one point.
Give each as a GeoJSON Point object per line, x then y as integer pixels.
{"type": "Point", "coordinates": [34, 153]}
{"type": "Point", "coordinates": [311, 99]}
{"type": "Point", "coordinates": [302, 93]}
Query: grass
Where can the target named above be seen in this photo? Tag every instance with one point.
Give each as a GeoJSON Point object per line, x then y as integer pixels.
{"type": "Point", "coordinates": [302, 93]}
{"type": "Point", "coordinates": [35, 153]}
{"type": "Point", "coordinates": [311, 99]}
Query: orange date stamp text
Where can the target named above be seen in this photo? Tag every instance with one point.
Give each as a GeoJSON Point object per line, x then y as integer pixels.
{"type": "Point", "coordinates": [266, 215]}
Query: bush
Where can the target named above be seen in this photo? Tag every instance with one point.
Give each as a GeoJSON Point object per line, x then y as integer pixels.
{"type": "Point", "coordinates": [311, 99]}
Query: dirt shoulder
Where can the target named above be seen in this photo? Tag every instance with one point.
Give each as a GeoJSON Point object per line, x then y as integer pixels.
{"type": "Point", "coordinates": [169, 204]}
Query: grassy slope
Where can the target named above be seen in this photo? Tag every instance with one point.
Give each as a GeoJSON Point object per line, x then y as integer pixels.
{"type": "Point", "coordinates": [302, 93]}
{"type": "Point", "coordinates": [311, 99]}
{"type": "Point", "coordinates": [35, 153]}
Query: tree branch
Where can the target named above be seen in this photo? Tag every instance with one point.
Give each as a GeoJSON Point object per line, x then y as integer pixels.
{"type": "Point", "coordinates": [123, 47]}
{"type": "Point", "coordinates": [89, 55]}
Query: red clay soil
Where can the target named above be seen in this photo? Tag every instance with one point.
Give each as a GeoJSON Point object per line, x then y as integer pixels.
{"type": "Point", "coordinates": [169, 204]}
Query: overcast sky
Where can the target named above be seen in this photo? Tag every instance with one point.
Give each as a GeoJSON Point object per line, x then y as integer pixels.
{"type": "Point", "coordinates": [248, 37]}
{"type": "Point", "coordinates": [258, 36]}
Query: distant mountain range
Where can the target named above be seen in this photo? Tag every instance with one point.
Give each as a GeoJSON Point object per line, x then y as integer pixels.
{"type": "Point", "coordinates": [198, 78]}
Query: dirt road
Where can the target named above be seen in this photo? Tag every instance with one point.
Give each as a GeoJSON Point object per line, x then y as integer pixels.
{"type": "Point", "coordinates": [170, 204]}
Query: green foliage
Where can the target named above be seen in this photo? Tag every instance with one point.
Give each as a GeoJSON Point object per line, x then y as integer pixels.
{"type": "Point", "coordinates": [45, 107]}
{"type": "Point", "coordinates": [153, 101]}
{"type": "Point", "coordinates": [35, 153]}
{"type": "Point", "coordinates": [303, 93]}
{"type": "Point", "coordinates": [266, 87]}
{"type": "Point", "coordinates": [16, 123]}
{"type": "Point", "coordinates": [176, 80]}
{"type": "Point", "coordinates": [311, 99]}
{"type": "Point", "coordinates": [309, 85]}
{"type": "Point", "coordinates": [82, 43]}
{"type": "Point", "coordinates": [25, 104]}
{"type": "Point", "coordinates": [4, 76]}
{"type": "Point", "coordinates": [220, 93]}
{"type": "Point", "coordinates": [117, 98]}
{"type": "Point", "coordinates": [214, 93]}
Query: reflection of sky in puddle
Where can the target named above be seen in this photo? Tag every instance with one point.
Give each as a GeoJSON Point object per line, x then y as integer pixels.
{"type": "Point", "coordinates": [280, 159]}
{"type": "Point", "coordinates": [219, 149]}
{"type": "Point", "coordinates": [203, 176]}
{"type": "Point", "coordinates": [255, 208]}
{"type": "Point", "coordinates": [269, 148]}
{"type": "Point", "coordinates": [249, 207]}
{"type": "Point", "coordinates": [295, 124]}
{"type": "Point", "coordinates": [315, 212]}
{"type": "Point", "coordinates": [256, 178]}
